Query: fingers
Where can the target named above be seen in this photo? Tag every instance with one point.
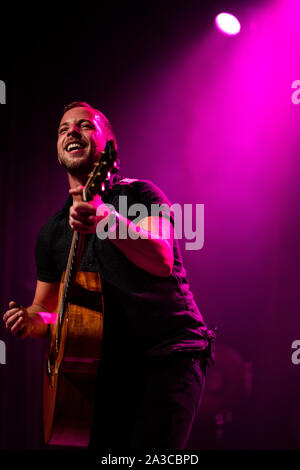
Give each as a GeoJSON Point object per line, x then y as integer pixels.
{"type": "Point", "coordinates": [83, 227]}
{"type": "Point", "coordinates": [17, 328]}
{"type": "Point", "coordinates": [15, 319]}
{"type": "Point", "coordinates": [77, 191]}
{"type": "Point", "coordinates": [11, 316]}
{"type": "Point", "coordinates": [83, 208]}
{"type": "Point", "coordinates": [10, 312]}
{"type": "Point", "coordinates": [82, 217]}
{"type": "Point", "coordinates": [82, 222]}
{"type": "Point", "coordinates": [13, 304]}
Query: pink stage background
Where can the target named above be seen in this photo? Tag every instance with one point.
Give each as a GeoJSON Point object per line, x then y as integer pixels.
{"type": "Point", "coordinates": [208, 118]}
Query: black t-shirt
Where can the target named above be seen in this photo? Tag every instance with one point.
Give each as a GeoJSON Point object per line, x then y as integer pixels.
{"type": "Point", "coordinates": [157, 315]}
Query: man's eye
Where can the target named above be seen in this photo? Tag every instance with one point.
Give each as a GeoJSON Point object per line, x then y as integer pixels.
{"type": "Point", "coordinates": [87, 125]}
{"type": "Point", "coordinates": [62, 130]}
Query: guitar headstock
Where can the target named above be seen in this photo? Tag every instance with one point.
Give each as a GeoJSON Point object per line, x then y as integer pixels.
{"type": "Point", "coordinates": [100, 178]}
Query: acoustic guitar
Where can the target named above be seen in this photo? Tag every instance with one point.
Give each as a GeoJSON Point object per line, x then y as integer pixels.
{"type": "Point", "coordinates": [75, 340]}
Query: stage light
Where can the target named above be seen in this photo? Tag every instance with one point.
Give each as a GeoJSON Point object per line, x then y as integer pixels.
{"type": "Point", "coordinates": [227, 24]}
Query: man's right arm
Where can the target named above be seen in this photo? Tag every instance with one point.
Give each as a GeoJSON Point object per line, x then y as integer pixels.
{"type": "Point", "coordinates": [33, 321]}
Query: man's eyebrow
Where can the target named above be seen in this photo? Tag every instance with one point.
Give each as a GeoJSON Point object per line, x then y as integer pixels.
{"type": "Point", "coordinates": [63, 124]}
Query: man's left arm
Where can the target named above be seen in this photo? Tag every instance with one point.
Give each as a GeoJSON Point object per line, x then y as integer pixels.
{"type": "Point", "coordinates": [148, 244]}
{"type": "Point", "coordinates": [153, 250]}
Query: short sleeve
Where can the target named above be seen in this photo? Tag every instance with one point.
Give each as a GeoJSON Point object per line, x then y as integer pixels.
{"type": "Point", "coordinates": [154, 199]}
{"type": "Point", "coordinates": [47, 270]}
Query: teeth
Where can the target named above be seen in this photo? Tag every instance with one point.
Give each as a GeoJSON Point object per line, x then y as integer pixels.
{"type": "Point", "coordinates": [74, 146]}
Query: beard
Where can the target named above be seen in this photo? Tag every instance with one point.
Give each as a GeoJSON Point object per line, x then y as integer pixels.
{"type": "Point", "coordinates": [80, 166]}
{"type": "Point", "coordinates": [77, 167]}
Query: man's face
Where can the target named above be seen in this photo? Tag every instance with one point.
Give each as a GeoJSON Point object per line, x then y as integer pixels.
{"type": "Point", "coordinates": [80, 140]}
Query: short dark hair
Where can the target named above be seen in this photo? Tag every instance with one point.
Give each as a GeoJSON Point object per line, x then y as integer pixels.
{"type": "Point", "coordinates": [110, 135]}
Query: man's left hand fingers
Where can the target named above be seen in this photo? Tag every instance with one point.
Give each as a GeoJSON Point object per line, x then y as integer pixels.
{"type": "Point", "coordinates": [77, 190]}
{"type": "Point", "coordinates": [84, 208]}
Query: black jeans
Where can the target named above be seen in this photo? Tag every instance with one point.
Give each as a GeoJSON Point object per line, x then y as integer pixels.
{"type": "Point", "coordinates": [149, 406]}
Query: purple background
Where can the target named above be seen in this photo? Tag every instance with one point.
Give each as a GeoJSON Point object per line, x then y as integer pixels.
{"type": "Point", "coordinates": [209, 119]}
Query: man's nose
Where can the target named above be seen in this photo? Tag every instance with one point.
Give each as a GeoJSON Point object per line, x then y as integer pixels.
{"type": "Point", "coordinates": [73, 130]}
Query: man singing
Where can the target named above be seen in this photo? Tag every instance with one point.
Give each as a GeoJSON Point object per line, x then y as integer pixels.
{"type": "Point", "coordinates": [156, 344]}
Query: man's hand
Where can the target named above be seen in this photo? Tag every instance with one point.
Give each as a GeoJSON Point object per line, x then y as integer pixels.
{"type": "Point", "coordinates": [17, 320]}
{"type": "Point", "coordinates": [82, 216]}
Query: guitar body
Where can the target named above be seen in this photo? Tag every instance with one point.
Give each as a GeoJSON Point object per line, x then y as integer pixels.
{"type": "Point", "coordinates": [72, 364]}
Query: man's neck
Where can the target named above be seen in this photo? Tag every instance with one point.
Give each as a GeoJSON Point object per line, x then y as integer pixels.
{"type": "Point", "coordinates": [77, 181]}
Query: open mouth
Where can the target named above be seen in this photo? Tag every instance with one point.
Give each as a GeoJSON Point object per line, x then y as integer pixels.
{"type": "Point", "coordinates": [75, 147]}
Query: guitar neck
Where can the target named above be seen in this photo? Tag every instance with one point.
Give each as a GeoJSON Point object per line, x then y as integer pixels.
{"type": "Point", "coordinates": [72, 267]}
